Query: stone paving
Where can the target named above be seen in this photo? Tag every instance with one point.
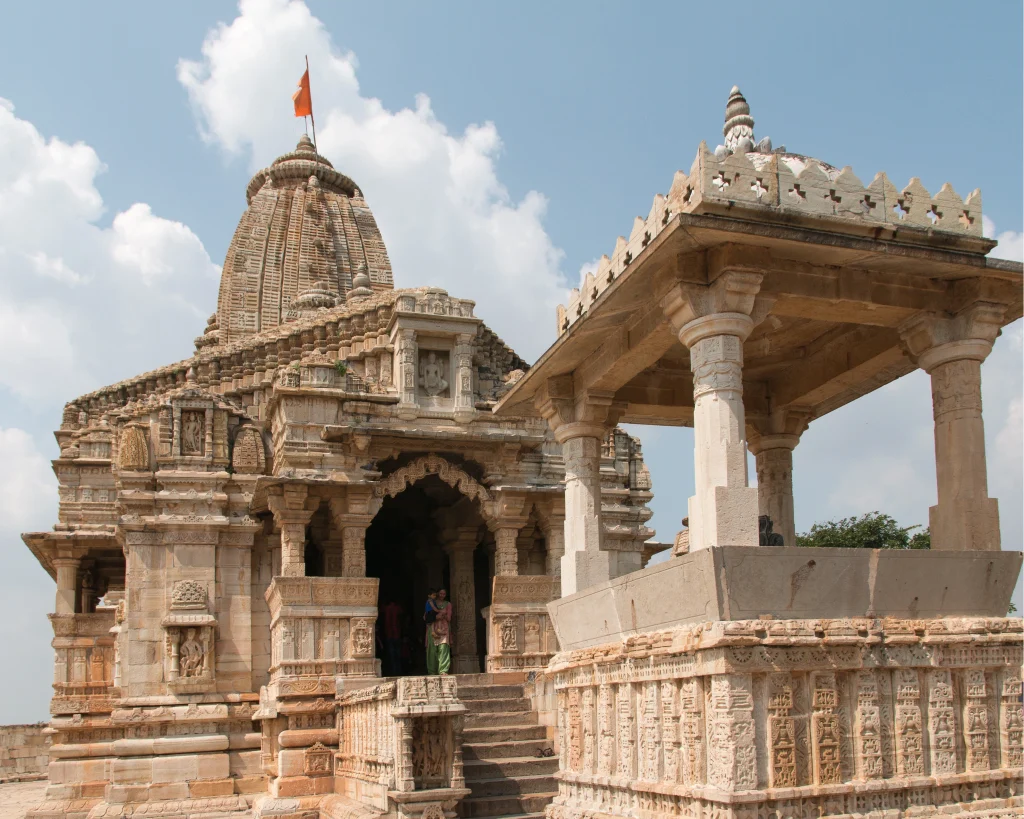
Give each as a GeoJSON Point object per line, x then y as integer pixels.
{"type": "Point", "coordinates": [17, 798]}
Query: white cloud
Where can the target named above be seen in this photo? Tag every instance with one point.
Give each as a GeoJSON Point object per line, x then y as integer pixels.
{"type": "Point", "coordinates": [1011, 243]}
{"type": "Point", "coordinates": [446, 217]}
{"type": "Point", "coordinates": [82, 305]}
{"type": "Point", "coordinates": [28, 488]}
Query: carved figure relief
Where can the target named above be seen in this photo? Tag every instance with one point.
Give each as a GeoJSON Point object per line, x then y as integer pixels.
{"type": "Point", "coordinates": [191, 655]}
{"type": "Point", "coordinates": [362, 638]}
{"type": "Point", "coordinates": [691, 703]}
{"type": "Point", "coordinates": [430, 752]}
{"type": "Point", "coordinates": [869, 727]}
{"type": "Point", "coordinates": [826, 732]}
{"type": "Point", "coordinates": [941, 722]}
{"type": "Point", "coordinates": [433, 373]}
{"type": "Point", "coordinates": [1012, 723]}
{"type": "Point", "coordinates": [248, 456]}
{"type": "Point", "coordinates": [605, 730]}
{"type": "Point", "coordinates": [508, 635]}
{"type": "Point", "coordinates": [134, 451]}
{"type": "Point", "coordinates": [909, 739]}
{"type": "Point", "coordinates": [193, 432]}
{"type": "Point", "coordinates": [316, 761]}
{"type": "Point", "coordinates": [782, 731]}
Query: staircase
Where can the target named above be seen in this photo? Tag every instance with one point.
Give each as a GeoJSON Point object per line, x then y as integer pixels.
{"type": "Point", "coordinates": [501, 741]}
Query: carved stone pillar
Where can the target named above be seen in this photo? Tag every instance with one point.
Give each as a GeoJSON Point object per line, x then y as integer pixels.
{"type": "Point", "coordinates": [462, 365]}
{"type": "Point", "coordinates": [713, 323]}
{"type": "Point", "coordinates": [951, 350]}
{"type": "Point", "coordinates": [506, 553]}
{"type": "Point", "coordinates": [293, 510]}
{"type": "Point", "coordinates": [554, 539]}
{"type": "Point", "coordinates": [580, 423]}
{"type": "Point", "coordinates": [67, 583]}
{"type": "Point", "coordinates": [463, 595]}
{"type": "Point", "coordinates": [772, 441]}
{"type": "Point", "coordinates": [353, 551]}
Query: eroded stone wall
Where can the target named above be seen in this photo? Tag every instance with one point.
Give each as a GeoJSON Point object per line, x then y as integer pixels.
{"type": "Point", "coordinates": [24, 752]}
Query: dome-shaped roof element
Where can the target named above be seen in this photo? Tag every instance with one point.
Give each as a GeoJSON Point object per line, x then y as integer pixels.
{"type": "Point", "coordinates": [305, 234]}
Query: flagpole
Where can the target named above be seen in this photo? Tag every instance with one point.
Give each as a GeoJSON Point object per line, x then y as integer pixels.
{"type": "Point", "coordinates": [311, 117]}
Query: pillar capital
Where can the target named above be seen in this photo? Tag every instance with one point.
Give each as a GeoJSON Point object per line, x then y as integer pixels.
{"type": "Point", "coordinates": [779, 430]}
{"type": "Point", "coordinates": [732, 290]}
{"type": "Point", "coordinates": [573, 413]}
{"type": "Point", "coordinates": [933, 339]}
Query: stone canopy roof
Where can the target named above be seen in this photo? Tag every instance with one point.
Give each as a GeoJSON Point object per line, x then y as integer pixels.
{"type": "Point", "coordinates": [306, 239]}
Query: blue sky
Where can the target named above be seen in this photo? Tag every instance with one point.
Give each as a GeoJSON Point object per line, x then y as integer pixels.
{"type": "Point", "coordinates": [548, 127]}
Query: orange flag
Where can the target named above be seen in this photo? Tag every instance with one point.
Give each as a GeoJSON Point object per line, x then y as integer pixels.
{"type": "Point", "coordinates": [302, 99]}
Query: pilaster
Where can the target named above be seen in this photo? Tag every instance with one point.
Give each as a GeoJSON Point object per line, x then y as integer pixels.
{"type": "Point", "coordinates": [460, 547]}
{"type": "Point", "coordinates": [462, 365]}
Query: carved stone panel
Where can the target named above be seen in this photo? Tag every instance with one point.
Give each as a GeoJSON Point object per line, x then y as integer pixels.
{"type": "Point", "coordinates": [434, 374]}
{"type": "Point", "coordinates": [248, 456]}
{"type": "Point", "coordinates": [193, 432]}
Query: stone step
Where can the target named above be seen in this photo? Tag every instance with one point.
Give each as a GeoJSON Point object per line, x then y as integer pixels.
{"type": "Point", "coordinates": [490, 806]}
{"type": "Point", "coordinates": [503, 733]}
{"type": "Point", "coordinates": [500, 719]}
{"type": "Point", "coordinates": [514, 786]}
{"type": "Point", "coordinates": [479, 769]}
{"type": "Point", "coordinates": [490, 705]}
{"type": "Point", "coordinates": [490, 692]}
{"type": "Point", "coordinates": [503, 750]}
{"type": "Point", "coordinates": [494, 678]}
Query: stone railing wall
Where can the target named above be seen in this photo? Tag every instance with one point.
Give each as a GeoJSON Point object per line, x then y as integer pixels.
{"type": "Point", "coordinates": [519, 631]}
{"type": "Point", "coordinates": [400, 746]}
{"type": "Point", "coordinates": [801, 718]}
{"type": "Point", "coordinates": [83, 671]}
{"type": "Point", "coordinates": [322, 626]}
{"type": "Point", "coordinates": [24, 752]}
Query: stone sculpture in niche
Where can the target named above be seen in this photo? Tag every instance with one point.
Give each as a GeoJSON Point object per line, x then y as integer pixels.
{"type": "Point", "coordinates": [191, 655]}
{"type": "Point", "coordinates": [433, 369]}
{"type": "Point", "coordinates": [192, 433]}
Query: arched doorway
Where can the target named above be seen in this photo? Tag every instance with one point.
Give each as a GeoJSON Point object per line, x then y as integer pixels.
{"type": "Point", "coordinates": [429, 535]}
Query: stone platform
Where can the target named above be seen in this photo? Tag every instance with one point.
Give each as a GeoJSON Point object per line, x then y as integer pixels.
{"type": "Point", "coordinates": [738, 583]}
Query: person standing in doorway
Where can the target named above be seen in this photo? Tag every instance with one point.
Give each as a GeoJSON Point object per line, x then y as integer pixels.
{"type": "Point", "coordinates": [438, 616]}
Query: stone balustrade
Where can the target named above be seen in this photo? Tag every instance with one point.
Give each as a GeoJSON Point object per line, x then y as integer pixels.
{"type": "Point", "coordinates": [400, 746]}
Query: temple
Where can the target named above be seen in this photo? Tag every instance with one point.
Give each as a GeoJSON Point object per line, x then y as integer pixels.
{"type": "Point", "coordinates": [246, 538]}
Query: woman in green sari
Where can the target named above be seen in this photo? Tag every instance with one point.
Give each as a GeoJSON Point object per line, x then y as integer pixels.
{"type": "Point", "coordinates": [439, 653]}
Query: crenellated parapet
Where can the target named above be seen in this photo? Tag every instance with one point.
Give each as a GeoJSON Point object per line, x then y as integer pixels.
{"type": "Point", "coordinates": [749, 181]}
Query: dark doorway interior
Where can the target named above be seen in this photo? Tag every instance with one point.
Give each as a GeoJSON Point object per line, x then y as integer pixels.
{"type": "Point", "coordinates": [404, 549]}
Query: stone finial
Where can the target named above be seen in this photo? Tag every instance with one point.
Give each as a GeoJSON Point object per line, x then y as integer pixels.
{"type": "Point", "coordinates": [739, 128]}
{"type": "Point", "coordinates": [305, 145]}
{"type": "Point", "coordinates": [360, 283]}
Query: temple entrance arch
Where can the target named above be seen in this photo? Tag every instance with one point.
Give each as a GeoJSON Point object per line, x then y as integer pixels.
{"type": "Point", "coordinates": [430, 531]}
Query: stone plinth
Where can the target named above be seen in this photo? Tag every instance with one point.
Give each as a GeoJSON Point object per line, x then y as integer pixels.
{"type": "Point", "coordinates": [797, 718]}
{"type": "Point", "coordinates": [735, 583]}
{"type": "Point", "coordinates": [519, 633]}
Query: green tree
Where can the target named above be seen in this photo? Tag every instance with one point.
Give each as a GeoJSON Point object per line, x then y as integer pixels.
{"type": "Point", "coordinates": [870, 531]}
